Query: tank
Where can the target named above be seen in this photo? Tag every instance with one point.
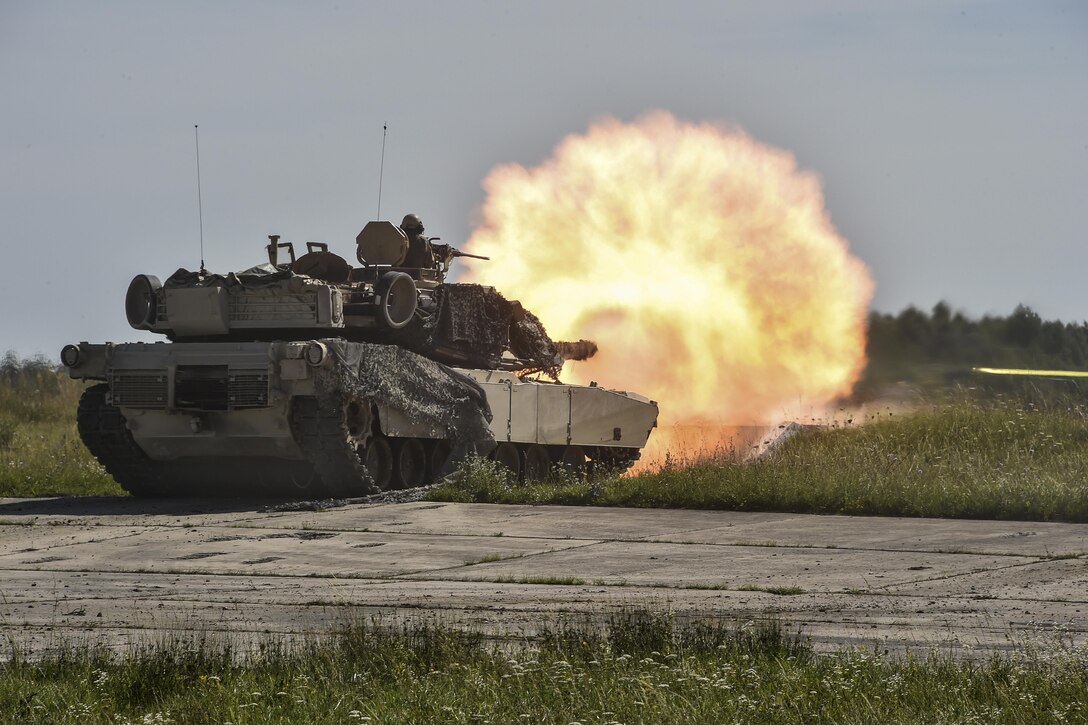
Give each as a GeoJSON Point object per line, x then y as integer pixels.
{"type": "Point", "coordinates": [310, 377]}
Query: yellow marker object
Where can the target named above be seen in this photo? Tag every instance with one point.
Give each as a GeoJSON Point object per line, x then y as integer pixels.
{"type": "Point", "coordinates": [1039, 373]}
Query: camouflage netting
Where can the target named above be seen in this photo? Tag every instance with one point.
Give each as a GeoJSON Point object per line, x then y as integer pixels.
{"type": "Point", "coordinates": [529, 341]}
{"type": "Point", "coordinates": [260, 276]}
{"type": "Point", "coordinates": [468, 327]}
{"type": "Point", "coordinates": [474, 325]}
{"type": "Point", "coordinates": [426, 392]}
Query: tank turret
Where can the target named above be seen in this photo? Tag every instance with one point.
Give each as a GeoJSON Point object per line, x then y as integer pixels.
{"type": "Point", "coordinates": [320, 294]}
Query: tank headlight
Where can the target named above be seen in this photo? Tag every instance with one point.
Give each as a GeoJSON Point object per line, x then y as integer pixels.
{"type": "Point", "coordinates": [141, 301]}
{"type": "Point", "coordinates": [69, 355]}
{"type": "Point", "coordinates": [316, 353]}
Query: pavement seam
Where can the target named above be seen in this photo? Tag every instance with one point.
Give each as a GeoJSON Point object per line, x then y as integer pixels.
{"type": "Point", "coordinates": [51, 547]}
{"type": "Point", "coordinates": [400, 579]}
{"type": "Point", "coordinates": [232, 596]}
{"type": "Point", "coordinates": [249, 523]}
{"type": "Point", "coordinates": [497, 561]}
{"type": "Point", "coordinates": [839, 547]}
{"type": "Point", "coordinates": [947, 577]}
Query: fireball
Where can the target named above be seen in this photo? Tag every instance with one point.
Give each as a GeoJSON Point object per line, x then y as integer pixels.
{"type": "Point", "coordinates": [702, 262]}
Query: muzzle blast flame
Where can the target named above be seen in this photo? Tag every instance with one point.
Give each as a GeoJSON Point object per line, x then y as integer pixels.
{"type": "Point", "coordinates": [702, 262]}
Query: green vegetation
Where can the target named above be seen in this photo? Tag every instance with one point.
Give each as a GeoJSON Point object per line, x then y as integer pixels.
{"type": "Point", "coordinates": [936, 348]}
{"type": "Point", "coordinates": [40, 451]}
{"type": "Point", "coordinates": [1016, 450]}
{"type": "Point", "coordinates": [969, 458]}
{"type": "Point", "coordinates": [637, 667]}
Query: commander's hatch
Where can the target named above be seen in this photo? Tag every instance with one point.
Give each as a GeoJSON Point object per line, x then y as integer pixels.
{"type": "Point", "coordinates": [320, 263]}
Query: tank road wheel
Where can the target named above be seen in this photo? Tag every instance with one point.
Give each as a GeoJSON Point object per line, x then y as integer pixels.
{"type": "Point", "coordinates": [409, 463]}
{"type": "Point", "coordinates": [438, 452]}
{"type": "Point", "coordinates": [303, 481]}
{"type": "Point", "coordinates": [103, 430]}
{"type": "Point", "coordinates": [538, 464]}
{"type": "Point", "coordinates": [508, 455]}
{"type": "Point", "coordinates": [357, 420]}
{"type": "Point", "coordinates": [332, 437]}
{"type": "Point", "coordinates": [573, 459]}
{"type": "Point", "coordinates": [612, 461]}
{"type": "Point", "coordinates": [379, 461]}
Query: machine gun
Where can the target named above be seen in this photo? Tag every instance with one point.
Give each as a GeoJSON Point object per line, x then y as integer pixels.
{"type": "Point", "coordinates": [446, 253]}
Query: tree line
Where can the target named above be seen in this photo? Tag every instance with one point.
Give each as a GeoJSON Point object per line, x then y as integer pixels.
{"type": "Point", "coordinates": [904, 346]}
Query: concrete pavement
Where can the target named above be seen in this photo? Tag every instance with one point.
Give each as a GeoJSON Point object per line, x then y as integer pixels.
{"type": "Point", "coordinates": [119, 571]}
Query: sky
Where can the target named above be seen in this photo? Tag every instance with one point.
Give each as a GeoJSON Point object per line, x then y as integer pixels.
{"type": "Point", "coordinates": [951, 137]}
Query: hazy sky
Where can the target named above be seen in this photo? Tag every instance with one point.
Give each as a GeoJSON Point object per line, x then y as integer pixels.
{"type": "Point", "coordinates": [952, 137]}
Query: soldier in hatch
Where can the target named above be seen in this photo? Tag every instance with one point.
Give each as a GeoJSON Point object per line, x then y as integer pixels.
{"type": "Point", "coordinates": [420, 253]}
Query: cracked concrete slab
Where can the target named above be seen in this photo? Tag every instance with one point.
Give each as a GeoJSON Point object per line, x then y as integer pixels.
{"type": "Point", "coordinates": [303, 552]}
{"type": "Point", "coordinates": [555, 522]}
{"type": "Point", "coordinates": [695, 565]}
{"type": "Point", "coordinates": [122, 571]}
{"type": "Point", "coordinates": [1026, 538]}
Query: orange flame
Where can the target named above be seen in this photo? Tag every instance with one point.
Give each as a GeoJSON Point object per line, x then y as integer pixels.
{"type": "Point", "coordinates": [702, 262]}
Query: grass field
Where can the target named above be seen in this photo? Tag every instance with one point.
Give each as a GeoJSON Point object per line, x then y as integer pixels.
{"type": "Point", "coordinates": [40, 451]}
{"type": "Point", "coordinates": [1000, 458]}
{"type": "Point", "coordinates": [639, 667]}
{"type": "Point", "coordinates": [1015, 455]}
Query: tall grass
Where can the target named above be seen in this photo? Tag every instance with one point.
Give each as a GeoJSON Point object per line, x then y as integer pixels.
{"type": "Point", "coordinates": [998, 458]}
{"type": "Point", "coordinates": [41, 453]}
{"type": "Point", "coordinates": [638, 667]}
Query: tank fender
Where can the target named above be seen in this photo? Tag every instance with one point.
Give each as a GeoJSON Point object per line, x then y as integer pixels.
{"type": "Point", "coordinates": [396, 424]}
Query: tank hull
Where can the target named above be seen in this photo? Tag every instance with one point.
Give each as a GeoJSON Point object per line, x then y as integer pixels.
{"type": "Point", "coordinates": [332, 417]}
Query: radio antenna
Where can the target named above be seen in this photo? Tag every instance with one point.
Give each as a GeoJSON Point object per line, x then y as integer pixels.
{"type": "Point", "coordinates": [381, 170]}
{"type": "Point", "coordinates": [199, 199]}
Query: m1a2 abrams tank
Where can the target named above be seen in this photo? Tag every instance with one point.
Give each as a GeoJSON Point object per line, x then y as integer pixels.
{"type": "Point", "coordinates": [306, 376]}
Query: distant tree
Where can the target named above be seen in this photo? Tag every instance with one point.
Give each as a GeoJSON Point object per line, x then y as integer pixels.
{"type": "Point", "coordinates": [1023, 327]}
{"type": "Point", "coordinates": [1054, 340]}
{"type": "Point", "coordinates": [912, 325]}
{"type": "Point", "coordinates": [941, 338]}
{"type": "Point", "coordinates": [942, 313]}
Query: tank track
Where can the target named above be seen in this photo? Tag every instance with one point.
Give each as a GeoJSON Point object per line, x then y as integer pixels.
{"type": "Point", "coordinates": [103, 430]}
{"type": "Point", "coordinates": [322, 433]}
{"type": "Point", "coordinates": [323, 436]}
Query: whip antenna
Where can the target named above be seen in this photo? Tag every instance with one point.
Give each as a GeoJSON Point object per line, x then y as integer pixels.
{"type": "Point", "coordinates": [199, 200]}
{"type": "Point", "coordinates": [381, 170]}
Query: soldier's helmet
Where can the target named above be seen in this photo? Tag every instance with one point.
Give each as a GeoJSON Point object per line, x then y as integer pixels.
{"type": "Point", "coordinates": [412, 223]}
